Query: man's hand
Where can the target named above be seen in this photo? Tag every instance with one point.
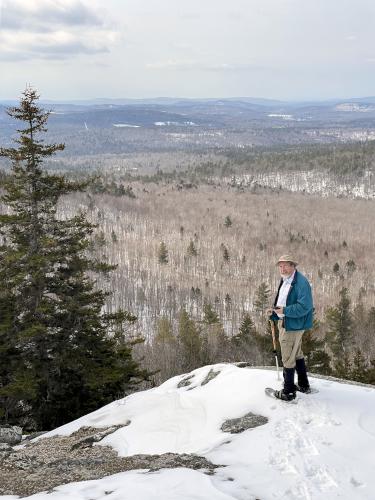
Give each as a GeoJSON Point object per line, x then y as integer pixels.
{"type": "Point", "coordinates": [269, 312]}
{"type": "Point", "coordinates": [279, 310]}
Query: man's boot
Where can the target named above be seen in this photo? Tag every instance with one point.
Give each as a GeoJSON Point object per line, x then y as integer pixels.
{"type": "Point", "coordinates": [289, 392]}
{"type": "Point", "coordinates": [303, 381]}
{"type": "Point", "coordinates": [284, 377]}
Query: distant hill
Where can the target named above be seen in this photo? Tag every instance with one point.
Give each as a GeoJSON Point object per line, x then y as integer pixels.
{"type": "Point", "coordinates": [134, 125]}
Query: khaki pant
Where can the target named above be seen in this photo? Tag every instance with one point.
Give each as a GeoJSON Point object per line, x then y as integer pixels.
{"type": "Point", "coordinates": [291, 346]}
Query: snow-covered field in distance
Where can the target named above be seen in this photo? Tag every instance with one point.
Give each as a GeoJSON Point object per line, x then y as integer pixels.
{"type": "Point", "coordinates": [315, 182]}
{"type": "Point", "coordinates": [323, 447]}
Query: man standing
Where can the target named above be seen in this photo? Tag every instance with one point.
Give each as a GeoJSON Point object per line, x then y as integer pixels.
{"type": "Point", "coordinates": [293, 310]}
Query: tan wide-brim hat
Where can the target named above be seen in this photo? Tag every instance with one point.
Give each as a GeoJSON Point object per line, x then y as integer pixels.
{"type": "Point", "coordinates": [287, 258]}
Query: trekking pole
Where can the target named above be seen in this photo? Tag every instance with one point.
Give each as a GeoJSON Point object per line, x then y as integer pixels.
{"type": "Point", "coordinates": [274, 347]}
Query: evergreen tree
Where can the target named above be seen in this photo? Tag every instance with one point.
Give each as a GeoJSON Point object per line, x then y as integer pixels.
{"type": "Point", "coordinates": [265, 346]}
{"type": "Point", "coordinates": [350, 266]}
{"type": "Point", "coordinates": [262, 297]}
{"type": "Point", "coordinates": [191, 250]}
{"type": "Point", "coordinates": [65, 356]}
{"type": "Point", "coordinates": [163, 253]}
{"type": "Point", "coordinates": [317, 359]}
{"type": "Point", "coordinates": [227, 302]}
{"type": "Point", "coordinates": [214, 340]}
{"type": "Point", "coordinates": [16, 377]}
{"type": "Point", "coordinates": [360, 325]}
{"type": "Point", "coordinates": [371, 373]}
{"type": "Point", "coordinates": [359, 369]}
{"type": "Point", "coordinates": [226, 256]}
{"type": "Point", "coordinates": [190, 341]}
{"type": "Point", "coordinates": [165, 350]}
{"type": "Point", "coordinates": [246, 331]}
{"type": "Point", "coordinates": [340, 325]}
{"type": "Point", "coordinates": [370, 324]}
{"type": "Point", "coordinates": [342, 366]}
{"type": "Point", "coordinates": [228, 221]}
{"type": "Point", "coordinates": [210, 316]}
{"type": "Point", "coordinates": [164, 333]}
{"type": "Point", "coordinates": [336, 268]}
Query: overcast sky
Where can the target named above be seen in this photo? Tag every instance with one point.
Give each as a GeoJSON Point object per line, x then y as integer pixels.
{"type": "Point", "coordinates": [282, 49]}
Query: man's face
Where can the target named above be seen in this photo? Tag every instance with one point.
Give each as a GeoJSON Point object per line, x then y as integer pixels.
{"type": "Point", "coordinates": [286, 269]}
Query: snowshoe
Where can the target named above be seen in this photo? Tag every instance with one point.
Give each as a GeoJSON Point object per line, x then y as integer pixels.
{"type": "Point", "coordinates": [287, 397]}
{"type": "Point", "coordinates": [306, 390]}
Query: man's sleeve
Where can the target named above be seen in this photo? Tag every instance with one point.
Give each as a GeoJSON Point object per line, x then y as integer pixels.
{"type": "Point", "coordinates": [304, 302]}
{"type": "Point", "coordinates": [274, 317]}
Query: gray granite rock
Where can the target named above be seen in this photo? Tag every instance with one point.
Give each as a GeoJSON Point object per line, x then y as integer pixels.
{"type": "Point", "coordinates": [88, 441]}
{"type": "Point", "coordinates": [5, 450]}
{"type": "Point", "coordinates": [10, 434]}
{"type": "Point", "coordinates": [33, 435]}
{"type": "Point", "coordinates": [210, 376]}
{"type": "Point", "coordinates": [248, 421]}
{"type": "Point", "coordinates": [51, 461]}
{"type": "Point", "coordinates": [185, 381]}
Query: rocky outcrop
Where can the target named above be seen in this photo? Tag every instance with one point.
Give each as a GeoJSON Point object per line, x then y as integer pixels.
{"type": "Point", "coordinates": [248, 421]}
{"type": "Point", "coordinates": [10, 434]}
{"type": "Point", "coordinates": [52, 461]}
{"type": "Point", "coordinates": [210, 376]}
{"type": "Point", "coordinates": [185, 381]}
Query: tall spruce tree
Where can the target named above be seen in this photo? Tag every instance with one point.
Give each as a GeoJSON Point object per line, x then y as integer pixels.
{"type": "Point", "coordinates": [262, 298]}
{"type": "Point", "coordinates": [340, 326]}
{"type": "Point", "coordinates": [192, 250]}
{"type": "Point", "coordinates": [245, 342]}
{"type": "Point", "coordinates": [318, 360]}
{"type": "Point", "coordinates": [210, 316]}
{"type": "Point", "coordinates": [163, 253]}
{"type": "Point", "coordinates": [190, 342]}
{"type": "Point", "coordinates": [214, 340]}
{"type": "Point", "coordinates": [360, 367]}
{"type": "Point", "coordinates": [246, 332]}
{"type": "Point", "coordinates": [65, 356]}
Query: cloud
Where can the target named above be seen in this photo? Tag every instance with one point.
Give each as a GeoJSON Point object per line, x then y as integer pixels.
{"type": "Point", "coordinates": [173, 64]}
{"type": "Point", "coordinates": [188, 64]}
{"type": "Point", "coordinates": [37, 15]}
{"type": "Point", "coordinates": [52, 29]}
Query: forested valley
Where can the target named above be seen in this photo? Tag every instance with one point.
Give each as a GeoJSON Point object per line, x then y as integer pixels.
{"type": "Point", "coordinates": [156, 263]}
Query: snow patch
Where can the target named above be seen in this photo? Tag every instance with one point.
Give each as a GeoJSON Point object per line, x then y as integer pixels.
{"type": "Point", "coordinates": [320, 448]}
{"type": "Point", "coordinates": [125, 125]}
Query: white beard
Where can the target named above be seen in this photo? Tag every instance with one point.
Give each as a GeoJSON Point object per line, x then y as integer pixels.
{"type": "Point", "coordinates": [285, 276]}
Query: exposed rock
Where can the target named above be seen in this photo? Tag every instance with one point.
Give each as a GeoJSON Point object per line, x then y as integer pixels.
{"type": "Point", "coordinates": [88, 441]}
{"type": "Point", "coordinates": [5, 450]}
{"type": "Point", "coordinates": [57, 460]}
{"type": "Point", "coordinates": [10, 434]}
{"type": "Point", "coordinates": [243, 364]}
{"type": "Point", "coordinates": [210, 375]}
{"type": "Point", "coordinates": [248, 421]}
{"type": "Point", "coordinates": [33, 435]}
{"type": "Point", "coordinates": [185, 381]}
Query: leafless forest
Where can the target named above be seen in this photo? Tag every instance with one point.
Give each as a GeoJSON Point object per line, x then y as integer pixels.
{"type": "Point", "coordinates": [237, 236]}
{"type": "Point", "coordinates": [205, 223]}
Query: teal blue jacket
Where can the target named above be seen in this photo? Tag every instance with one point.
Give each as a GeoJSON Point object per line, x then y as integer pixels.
{"type": "Point", "coordinates": [299, 307]}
